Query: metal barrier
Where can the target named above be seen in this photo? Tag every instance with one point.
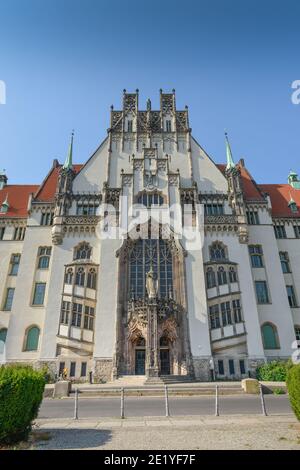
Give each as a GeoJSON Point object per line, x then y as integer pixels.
{"type": "Point", "coordinates": [165, 394]}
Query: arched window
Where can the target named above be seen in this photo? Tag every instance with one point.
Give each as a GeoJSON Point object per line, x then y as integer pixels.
{"type": "Point", "coordinates": [80, 277]}
{"type": "Point", "coordinates": [217, 252]}
{"type": "Point", "coordinates": [222, 276]}
{"type": "Point", "coordinates": [270, 336]}
{"type": "Point", "coordinates": [82, 251]}
{"type": "Point", "coordinates": [69, 276]}
{"type": "Point", "coordinates": [3, 333]}
{"type": "Point", "coordinates": [150, 199]}
{"type": "Point", "coordinates": [91, 278]}
{"type": "Point", "coordinates": [144, 254]}
{"type": "Point", "coordinates": [232, 275]}
{"type": "Point", "coordinates": [32, 338]}
{"type": "Point", "coordinates": [210, 278]}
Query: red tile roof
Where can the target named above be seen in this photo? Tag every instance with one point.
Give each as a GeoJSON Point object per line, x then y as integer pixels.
{"type": "Point", "coordinates": [18, 196]}
{"type": "Point", "coordinates": [46, 191]}
{"type": "Point", "coordinates": [280, 195]}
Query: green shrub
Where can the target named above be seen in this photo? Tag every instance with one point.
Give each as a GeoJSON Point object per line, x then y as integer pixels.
{"type": "Point", "coordinates": [293, 386]}
{"type": "Point", "coordinates": [21, 393]}
{"type": "Point", "coordinates": [274, 371]}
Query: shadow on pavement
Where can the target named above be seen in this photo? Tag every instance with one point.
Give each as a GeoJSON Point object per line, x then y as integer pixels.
{"type": "Point", "coordinates": [73, 438]}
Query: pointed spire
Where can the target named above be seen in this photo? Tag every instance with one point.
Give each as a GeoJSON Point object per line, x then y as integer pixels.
{"type": "Point", "coordinates": [68, 165]}
{"type": "Point", "coordinates": [230, 163]}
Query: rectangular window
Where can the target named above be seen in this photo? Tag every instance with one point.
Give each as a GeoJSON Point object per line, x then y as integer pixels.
{"type": "Point", "coordinates": [44, 253]}
{"type": "Point", "coordinates": [2, 232]}
{"type": "Point", "coordinates": [291, 296]}
{"type": "Point", "coordinates": [214, 317]}
{"type": "Point", "coordinates": [86, 209]}
{"type": "Point", "coordinates": [297, 231]}
{"type": "Point", "coordinates": [65, 313]}
{"type": "Point", "coordinates": [9, 299]}
{"type": "Point", "coordinates": [39, 293]}
{"type": "Point", "coordinates": [242, 367]}
{"type": "Point", "coordinates": [213, 209]}
{"type": "Point", "coordinates": [256, 256]}
{"type": "Point", "coordinates": [19, 233]}
{"type": "Point", "coordinates": [279, 231]}
{"type": "Point", "coordinates": [72, 369]}
{"type": "Point", "coordinates": [129, 126]}
{"type": "Point", "coordinates": [47, 218]}
{"type": "Point", "coordinates": [252, 218]}
{"type": "Point", "coordinates": [89, 313]}
{"type": "Point", "coordinates": [231, 367]}
{"type": "Point", "coordinates": [226, 313]}
{"type": "Point", "coordinates": [83, 369]}
{"type": "Point", "coordinates": [76, 315]}
{"type": "Point", "coordinates": [262, 292]}
{"type": "Point", "coordinates": [221, 367]}
{"type": "Point", "coordinates": [14, 265]}
{"type": "Point", "coordinates": [237, 311]}
{"type": "Point", "coordinates": [168, 125]}
{"type": "Point", "coordinates": [284, 259]}
{"type": "Point", "coordinates": [61, 368]}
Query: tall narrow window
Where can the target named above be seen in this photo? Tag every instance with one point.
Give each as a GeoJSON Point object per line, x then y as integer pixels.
{"type": "Point", "coordinates": [269, 335]}
{"type": "Point", "coordinates": [213, 209]}
{"type": "Point", "coordinates": [3, 333]}
{"type": "Point", "coordinates": [89, 315]}
{"type": "Point", "coordinates": [47, 218]}
{"type": "Point", "coordinates": [256, 255]}
{"type": "Point", "coordinates": [221, 367]}
{"type": "Point", "coordinates": [14, 265]}
{"type": "Point", "coordinates": [72, 369]}
{"type": "Point", "coordinates": [222, 276]}
{"type": "Point", "coordinates": [32, 339]}
{"type": "Point", "coordinates": [2, 232]}
{"type": "Point", "coordinates": [76, 315]}
{"type": "Point", "coordinates": [210, 278]}
{"type": "Point", "coordinates": [44, 254]}
{"type": "Point", "coordinates": [262, 292]}
{"type": "Point", "coordinates": [232, 275]}
{"type": "Point", "coordinates": [39, 293]}
{"type": "Point", "coordinates": [69, 276]}
{"type": "Point", "coordinates": [19, 233]}
{"type": "Point", "coordinates": [291, 296]}
{"type": "Point", "coordinates": [168, 125]}
{"type": "Point", "coordinates": [91, 279]}
{"type": "Point", "coordinates": [214, 317]}
{"type": "Point", "coordinates": [284, 260]}
{"type": "Point", "coordinates": [242, 367]}
{"type": "Point", "coordinates": [83, 369]}
{"type": "Point", "coordinates": [252, 218]}
{"type": "Point", "coordinates": [297, 231]}
{"type": "Point", "coordinates": [226, 313]}
{"type": "Point", "coordinates": [237, 311]}
{"type": "Point", "coordinates": [129, 125]}
{"type": "Point", "coordinates": [65, 312]}
{"type": "Point", "coordinates": [231, 367]}
{"type": "Point", "coordinates": [9, 299]}
{"type": "Point", "coordinates": [297, 332]}
{"type": "Point", "coordinates": [80, 277]}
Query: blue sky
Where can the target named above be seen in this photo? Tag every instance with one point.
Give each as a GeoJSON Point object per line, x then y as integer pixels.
{"type": "Point", "coordinates": [232, 62]}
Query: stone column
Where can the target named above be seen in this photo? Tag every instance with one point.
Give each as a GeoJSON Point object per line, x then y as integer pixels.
{"type": "Point", "coordinates": [152, 368]}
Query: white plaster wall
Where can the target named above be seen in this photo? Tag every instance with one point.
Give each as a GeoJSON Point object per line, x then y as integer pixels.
{"type": "Point", "coordinates": [93, 174]}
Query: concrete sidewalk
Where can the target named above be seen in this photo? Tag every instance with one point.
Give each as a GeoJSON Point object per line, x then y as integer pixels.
{"type": "Point", "coordinates": [149, 433]}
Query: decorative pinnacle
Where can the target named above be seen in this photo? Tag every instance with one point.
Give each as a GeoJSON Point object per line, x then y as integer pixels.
{"type": "Point", "coordinates": [68, 163]}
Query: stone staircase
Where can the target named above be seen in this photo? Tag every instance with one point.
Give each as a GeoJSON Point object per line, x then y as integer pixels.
{"type": "Point", "coordinates": [169, 380]}
{"type": "Point", "coordinates": [128, 381]}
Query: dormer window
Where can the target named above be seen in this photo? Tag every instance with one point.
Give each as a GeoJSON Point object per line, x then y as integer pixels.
{"type": "Point", "coordinates": [4, 206]}
{"type": "Point", "coordinates": [293, 206]}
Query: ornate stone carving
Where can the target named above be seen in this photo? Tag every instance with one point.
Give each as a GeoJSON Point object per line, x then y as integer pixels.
{"type": "Point", "coordinates": [138, 164]}
{"type": "Point", "coordinates": [116, 121]}
{"type": "Point", "coordinates": [127, 180]}
{"type": "Point", "coordinates": [173, 180]}
{"type": "Point", "coordinates": [112, 196]}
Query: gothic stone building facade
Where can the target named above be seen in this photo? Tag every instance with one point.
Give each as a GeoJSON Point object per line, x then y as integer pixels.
{"type": "Point", "coordinates": [74, 298]}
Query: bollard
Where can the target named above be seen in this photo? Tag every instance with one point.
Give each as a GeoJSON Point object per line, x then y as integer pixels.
{"type": "Point", "coordinates": [217, 402]}
{"type": "Point", "coordinates": [76, 404]}
{"type": "Point", "coordinates": [122, 403]}
{"type": "Point", "coordinates": [262, 400]}
{"type": "Point", "coordinates": [167, 401]}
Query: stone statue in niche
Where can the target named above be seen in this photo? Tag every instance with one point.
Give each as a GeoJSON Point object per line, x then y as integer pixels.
{"type": "Point", "coordinates": [151, 284]}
